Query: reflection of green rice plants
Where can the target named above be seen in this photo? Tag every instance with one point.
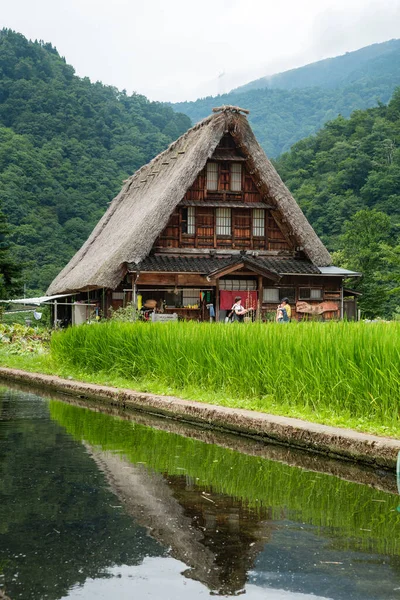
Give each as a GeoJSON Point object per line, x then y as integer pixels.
{"type": "Point", "coordinates": [357, 516]}
{"type": "Point", "coordinates": [340, 368]}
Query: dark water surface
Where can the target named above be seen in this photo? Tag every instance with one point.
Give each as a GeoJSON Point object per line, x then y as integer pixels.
{"type": "Point", "coordinates": [98, 506]}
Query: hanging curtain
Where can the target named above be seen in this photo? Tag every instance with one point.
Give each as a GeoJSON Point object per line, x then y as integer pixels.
{"type": "Point", "coordinates": [227, 299]}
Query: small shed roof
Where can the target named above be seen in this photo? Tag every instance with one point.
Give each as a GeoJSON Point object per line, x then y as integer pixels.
{"type": "Point", "coordinates": [339, 272]}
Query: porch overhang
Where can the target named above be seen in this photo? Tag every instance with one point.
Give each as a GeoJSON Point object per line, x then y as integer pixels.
{"type": "Point", "coordinates": [242, 264]}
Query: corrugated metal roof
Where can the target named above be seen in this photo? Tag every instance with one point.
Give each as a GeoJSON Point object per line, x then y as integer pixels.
{"type": "Point", "coordinates": [338, 271]}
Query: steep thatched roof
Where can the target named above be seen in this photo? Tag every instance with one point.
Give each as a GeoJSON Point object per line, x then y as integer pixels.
{"type": "Point", "coordinates": [127, 231]}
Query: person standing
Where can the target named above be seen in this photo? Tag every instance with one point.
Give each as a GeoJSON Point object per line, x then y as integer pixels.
{"type": "Point", "coordinates": [285, 304]}
{"type": "Point", "coordinates": [238, 311]}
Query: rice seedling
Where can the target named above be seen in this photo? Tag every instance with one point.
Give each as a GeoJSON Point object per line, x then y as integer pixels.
{"type": "Point", "coordinates": [346, 369]}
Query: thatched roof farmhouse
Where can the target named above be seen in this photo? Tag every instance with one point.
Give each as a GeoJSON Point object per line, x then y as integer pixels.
{"type": "Point", "coordinates": [208, 215]}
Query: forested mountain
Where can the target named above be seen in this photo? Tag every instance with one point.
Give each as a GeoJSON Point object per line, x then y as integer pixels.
{"type": "Point", "coordinates": [66, 144]}
{"type": "Point", "coordinates": [350, 164]}
{"type": "Point", "coordinates": [281, 117]}
{"type": "Point", "coordinates": [346, 179]}
{"type": "Point", "coordinates": [370, 63]}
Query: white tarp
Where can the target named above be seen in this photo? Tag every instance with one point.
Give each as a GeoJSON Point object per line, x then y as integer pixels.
{"type": "Point", "coordinates": [37, 301]}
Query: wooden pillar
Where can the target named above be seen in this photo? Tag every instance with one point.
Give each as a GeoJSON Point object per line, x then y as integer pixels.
{"type": "Point", "coordinates": [341, 301]}
{"type": "Point", "coordinates": [260, 297]}
{"type": "Point", "coordinates": [217, 300]}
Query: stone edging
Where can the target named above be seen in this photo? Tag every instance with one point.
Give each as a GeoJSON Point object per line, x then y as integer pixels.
{"type": "Point", "coordinates": [332, 441]}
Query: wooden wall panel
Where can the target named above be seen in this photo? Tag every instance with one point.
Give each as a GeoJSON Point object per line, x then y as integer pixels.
{"type": "Point", "coordinates": [241, 228]}
{"type": "Point", "coordinates": [205, 227]}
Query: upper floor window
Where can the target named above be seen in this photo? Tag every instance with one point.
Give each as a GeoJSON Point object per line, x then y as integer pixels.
{"type": "Point", "coordinates": [188, 223]}
{"type": "Point", "coordinates": [258, 222]}
{"type": "Point", "coordinates": [224, 221]}
{"type": "Point", "coordinates": [236, 177]}
{"type": "Point", "coordinates": [212, 176]}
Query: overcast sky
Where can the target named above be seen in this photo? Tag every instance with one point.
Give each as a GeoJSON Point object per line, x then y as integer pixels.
{"type": "Point", "coordinates": [181, 50]}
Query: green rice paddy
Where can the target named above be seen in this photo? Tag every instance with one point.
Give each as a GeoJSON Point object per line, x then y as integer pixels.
{"type": "Point", "coordinates": [337, 373]}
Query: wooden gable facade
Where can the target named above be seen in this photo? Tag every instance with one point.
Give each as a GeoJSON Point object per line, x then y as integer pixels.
{"type": "Point", "coordinates": [224, 209]}
{"type": "Point", "coordinates": [227, 238]}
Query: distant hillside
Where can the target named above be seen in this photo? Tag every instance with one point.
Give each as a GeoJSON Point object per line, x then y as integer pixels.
{"type": "Point", "coordinates": [66, 144]}
{"type": "Point", "coordinates": [371, 62]}
{"type": "Point", "coordinates": [281, 117]}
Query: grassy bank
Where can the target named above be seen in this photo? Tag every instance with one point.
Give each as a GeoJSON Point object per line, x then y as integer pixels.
{"type": "Point", "coordinates": [342, 374]}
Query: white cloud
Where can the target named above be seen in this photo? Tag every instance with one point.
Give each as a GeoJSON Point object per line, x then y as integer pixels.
{"type": "Point", "coordinates": [175, 50]}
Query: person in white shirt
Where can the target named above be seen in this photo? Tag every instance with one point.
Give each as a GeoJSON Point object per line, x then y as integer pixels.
{"type": "Point", "coordinates": [238, 311]}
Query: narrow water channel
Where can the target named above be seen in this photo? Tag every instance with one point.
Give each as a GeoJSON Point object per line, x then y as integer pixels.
{"type": "Point", "coordinates": [102, 506]}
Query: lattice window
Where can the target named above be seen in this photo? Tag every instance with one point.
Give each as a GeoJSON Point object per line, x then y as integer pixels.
{"type": "Point", "coordinates": [271, 295]}
{"type": "Point", "coordinates": [289, 293]}
{"type": "Point", "coordinates": [190, 297]}
{"type": "Point", "coordinates": [258, 222]}
{"type": "Point", "coordinates": [310, 294]}
{"type": "Point", "coordinates": [316, 294]}
{"type": "Point", "coordinates": [237, 284]}
{"type": "Point", "coordinates": [224, 221]}
{"type": "Point", "coordinates": [236, 177]}
{"type": "Point", "coordinates": [191, 220]}
{"type": "Point", "coordinates": [188, 222]}
{"type": "Point", "coordinates": [212, 176]}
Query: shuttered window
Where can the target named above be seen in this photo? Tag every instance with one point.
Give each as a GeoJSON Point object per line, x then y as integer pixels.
{"type": "Point", "coordinates": [212, 176]}
{"type": "Point", "coordinates": [236, 177]}
{"type": "Point", "coordinates": [224, 221]}
{"type": "Point", "coordinates": [258, 222]}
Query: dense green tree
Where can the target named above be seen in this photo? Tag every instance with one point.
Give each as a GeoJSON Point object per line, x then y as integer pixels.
{"type": "Point", "coordinates": [10, 270]}
{"type": "Point", "coordinates": [364, 245]}
{"type": "Point", "coordinates": [349, 165]}
{"type": "Point", "coordinates": [66, 145]}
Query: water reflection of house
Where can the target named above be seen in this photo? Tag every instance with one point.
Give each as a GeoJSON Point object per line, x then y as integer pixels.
{"type": "Point", "coordinates": [204, 221]}
{"type": "Point", "coordinates": [216, 536]}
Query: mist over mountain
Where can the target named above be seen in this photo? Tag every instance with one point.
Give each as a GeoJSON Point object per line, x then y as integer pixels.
{"type": "Point", "coordinates": [369, 62]}
{"type": "Point", "coordinates": [288, 106]}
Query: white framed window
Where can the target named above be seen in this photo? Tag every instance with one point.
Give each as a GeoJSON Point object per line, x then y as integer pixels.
{"type": "Point", "coordinates": [236, 177]}
{"type": "Point", "coordinates": [258, 222]}
{"type": "Point", "coordinates": [212, 176]}
{"type": "Point", "coordinates": [224, 221]}
{"type": "Point", "coordinates": [271, 295]}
